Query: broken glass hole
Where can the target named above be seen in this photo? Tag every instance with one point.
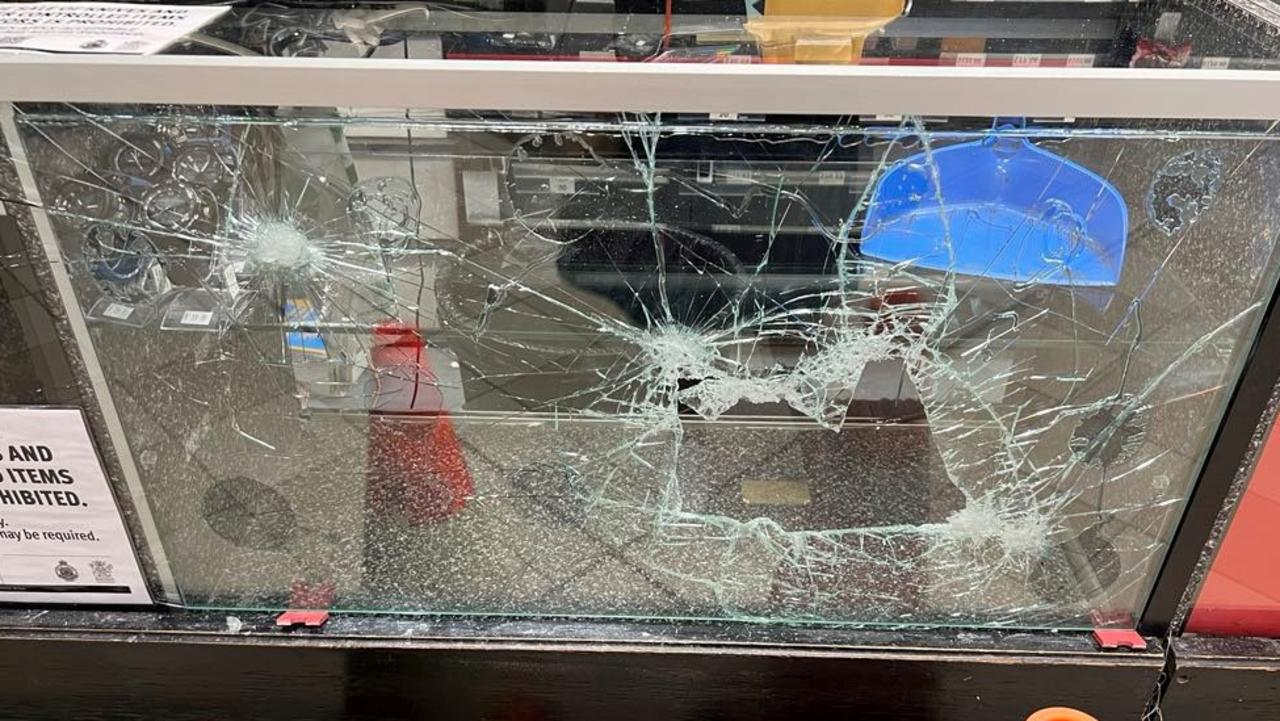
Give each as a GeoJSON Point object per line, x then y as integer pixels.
{"type": "Point", "coordinates": [1183, 189]}
{"type": "Point", "coordinates": [1110, 434]}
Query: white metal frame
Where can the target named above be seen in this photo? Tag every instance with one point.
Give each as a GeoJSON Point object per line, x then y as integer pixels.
{"type": "Point", "coordinates": [644, 87]}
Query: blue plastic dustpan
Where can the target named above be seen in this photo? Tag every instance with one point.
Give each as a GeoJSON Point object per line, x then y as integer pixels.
{"type": "Point", "coordinates": [1012, 211]}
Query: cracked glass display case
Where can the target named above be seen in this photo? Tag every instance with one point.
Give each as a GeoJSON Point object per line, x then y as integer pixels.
{"type": "Point", "coordinates": [882, 369]}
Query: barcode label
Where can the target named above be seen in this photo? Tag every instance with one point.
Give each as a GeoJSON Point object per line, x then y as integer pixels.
{"type": "Point", "coordinates": [197, 317]}
{"type": "Point", "coordinates": [1026, 60]}
{"type": "Point", "coordinates": [1080, 60]}
{"type": "Point", "coordinates": [563, 186]}
{"type": "Point", "coordinates": [118, 311]}
{"type": "Point", "coordinates": [1215, 63]}
{"type": "Point", "coordinates": [971, 60]}
{"type": "Point", "coordinates": [230, 281]}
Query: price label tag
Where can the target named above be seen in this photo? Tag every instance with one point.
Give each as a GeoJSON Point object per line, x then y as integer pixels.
{"type": "Point", "coordinates": [707, 173]}
{"type": "Point", "coordinates": [231, 282]}
{"type": "Point", "coordinates": [737, 176]}
{"type": "Point", "coordinates": [196, 317]}
{"type": "Point", "coordinates": [562, 186]}
{"type": "Point", "coordinates": [1080, 60]}
{"type": "Point", "coordinates": [1026, 60]}
{"type": "Point", "coordinates": [971, 60]}
{"type": "Point", "coordinates": [118, 311]}
{"type": "Point", "coordinates": [1215, 63]}
{"type": "Point", "coordinates": [830, 177]}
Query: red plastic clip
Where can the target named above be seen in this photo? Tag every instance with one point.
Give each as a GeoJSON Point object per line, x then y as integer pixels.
{"type": "Point", "coordinates": [1113, 638]}
{"type": "Point", "coordinates": [307, 602]}
{"type": "Point", "coordinates": [311, 619]}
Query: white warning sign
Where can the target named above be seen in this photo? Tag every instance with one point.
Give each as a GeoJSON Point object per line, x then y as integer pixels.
{"type": "Point", "coordinates": [77, 27]}
{"type": "Point", "coordinates": [62, 539]}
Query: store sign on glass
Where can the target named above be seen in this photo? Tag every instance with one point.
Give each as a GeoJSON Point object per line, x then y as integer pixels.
{"type": "Point", "coordinates": [62, 539]}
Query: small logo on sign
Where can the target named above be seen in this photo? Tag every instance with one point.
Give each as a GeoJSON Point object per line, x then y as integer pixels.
{"type": "Point", "coordinates": [93, 45]}
{"type": "Point", "coordinates": [101, 571]}
{"type": "Point", "coordinates": [66, 571]}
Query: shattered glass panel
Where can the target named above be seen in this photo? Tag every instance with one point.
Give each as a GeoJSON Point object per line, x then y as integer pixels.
{"type": "Point", "coordinates": [927, 372]}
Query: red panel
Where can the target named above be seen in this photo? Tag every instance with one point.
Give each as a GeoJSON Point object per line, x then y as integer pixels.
{"type": "Point", "coordinates": [1241, 596]}
{"type": "Point", "coordinates": [417, 470]}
